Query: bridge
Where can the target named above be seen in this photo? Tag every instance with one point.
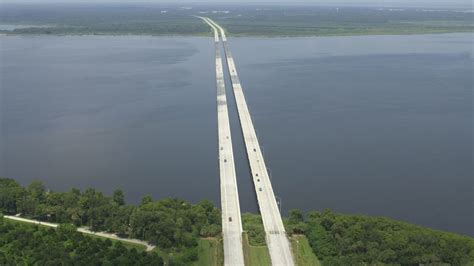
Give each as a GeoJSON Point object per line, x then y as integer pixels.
{"type": "Point", "coordinates": [276, 238]}
{"type": "Point", "coordinates": [231, 218]}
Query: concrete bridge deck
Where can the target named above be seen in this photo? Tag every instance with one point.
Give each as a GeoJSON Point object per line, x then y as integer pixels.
{"type": "Point", "coordinates": [231, 217]}
{"type": "Point", "coordinates": [276, 238]}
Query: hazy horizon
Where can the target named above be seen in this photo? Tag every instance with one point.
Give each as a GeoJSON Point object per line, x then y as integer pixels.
{"type": "Point", "coordinates": [406, 3]}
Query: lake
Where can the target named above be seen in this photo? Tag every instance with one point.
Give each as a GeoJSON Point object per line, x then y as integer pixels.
{"type": "Point", "coordinates": [377, 125]}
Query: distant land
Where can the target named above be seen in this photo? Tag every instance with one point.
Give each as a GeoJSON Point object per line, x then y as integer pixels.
{"type": "Point", "coordinates": [183, 233]}
{"type": "Point", "coordinates": [239, 20]}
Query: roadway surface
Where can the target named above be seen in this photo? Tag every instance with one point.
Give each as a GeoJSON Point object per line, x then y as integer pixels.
{"type": "Point", "coordinates": [231, 218]}
{"type": "Point", "coordinates": [276, 238]}
{"type": "Point", "coordinates": [83, 230]}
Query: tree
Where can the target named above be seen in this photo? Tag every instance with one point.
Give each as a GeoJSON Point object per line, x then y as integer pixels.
{"type": "Point", "coordinates": [118, 197]}
{"type": "Point", "coordinates": [66, 229]}
{"type": "Point", "coordinates": [296, 224]}
{"type": "Point", "coordinates": [296, 216]}
{"type": "Point", "coordinates": [10, 193]}
{"type": "Point", "coordinates": [146, 199]}
{"type": "Point", "coordinates": [119, 221]}
{"type": "Point", "coordinates": [36, 189]}
{"type": "Point", "coordinates": [97, 208]}
{"type": "Point", "coordinates": [27, 244]}
{"type": "Point", "coordinates": [340, 239]}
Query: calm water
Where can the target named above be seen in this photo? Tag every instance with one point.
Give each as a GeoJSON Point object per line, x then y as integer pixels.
{"type": "Point", "coordinates": [379, 125]}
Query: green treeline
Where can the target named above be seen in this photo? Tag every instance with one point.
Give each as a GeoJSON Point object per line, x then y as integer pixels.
{"type": "Point", "coordinates": [173, 225]}
{"type": "Point", "coordinates": [339, 239]}
{"type": "Point", "coordinates": [241, 20]}
{"type": "Point", "coordinates": [25, 244]}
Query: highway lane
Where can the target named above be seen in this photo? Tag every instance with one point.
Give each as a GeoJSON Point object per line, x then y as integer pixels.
{"type": "Point", "coordinates": [276, 238]}
{"type": "Point", "coordinates": [231, 217]}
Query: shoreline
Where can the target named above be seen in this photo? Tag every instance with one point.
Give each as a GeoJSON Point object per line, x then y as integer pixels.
{"type": "Point", "coordinates": [6, 34]}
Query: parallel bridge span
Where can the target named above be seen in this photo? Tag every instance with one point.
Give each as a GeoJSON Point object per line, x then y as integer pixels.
{"type": "Point", "coordinates": [276, 238]}
{"type": "Point", "coordinates": [231, 217]}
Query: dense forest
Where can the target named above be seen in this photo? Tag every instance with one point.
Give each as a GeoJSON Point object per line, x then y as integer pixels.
{"type": "Point", "coordinates": [25, 244]}
{"type": "Point", "coordinates": [339, 239]}
{"type": "Point", "coordinates": [175, 226]}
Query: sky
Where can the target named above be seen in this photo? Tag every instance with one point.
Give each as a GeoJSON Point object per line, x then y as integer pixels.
{"type": "Point", "coordinates": [425, 3]}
